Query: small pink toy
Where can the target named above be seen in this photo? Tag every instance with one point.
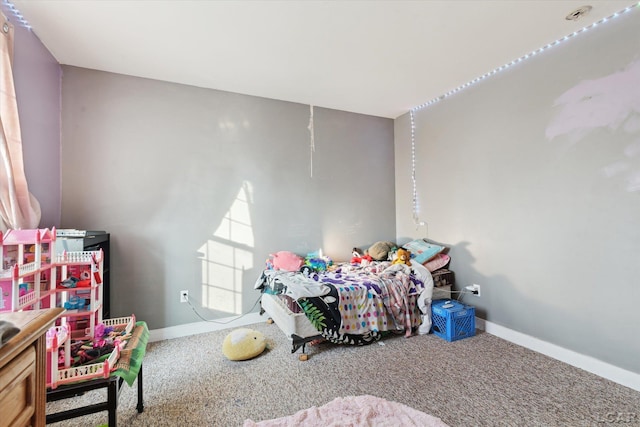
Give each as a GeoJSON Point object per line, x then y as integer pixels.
{"type": "Point", "coordinates": [288, 261]}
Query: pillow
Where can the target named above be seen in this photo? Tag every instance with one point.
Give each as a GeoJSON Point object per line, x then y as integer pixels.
{"type": "Point", "coordinates": [422, 250]}
{"type": "Point", "coordinates": [437, 262]}
{"type": "Point", "coordinates": [243, 344]}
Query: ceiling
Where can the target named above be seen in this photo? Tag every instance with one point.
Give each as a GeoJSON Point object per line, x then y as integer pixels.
{"type": "Point", "coordinates": [372, 57]}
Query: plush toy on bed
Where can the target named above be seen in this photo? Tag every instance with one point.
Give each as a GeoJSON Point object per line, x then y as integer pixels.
{"type": "Point", "coordinates": [316, 261]}
{"type": "Point", "coordinates": [243, 344]}
{"type": "Point", "coordinates": [379, 251]}
{"type": "Point", "coordinates": [285, 260]}
{"type": "Point", "coordinates": [358, 259]}
{"type": "Point", "coordinates": [403, 256]}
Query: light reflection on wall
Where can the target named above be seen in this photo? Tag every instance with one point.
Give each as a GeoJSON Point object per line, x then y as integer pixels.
{"type": "Point", "coordinates": [227, 255]}
{"type": "Point", "coordinates": [610, 103]}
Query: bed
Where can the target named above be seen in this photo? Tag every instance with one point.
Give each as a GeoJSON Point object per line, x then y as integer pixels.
{"type": "Point", "coordinates": [348, 303]}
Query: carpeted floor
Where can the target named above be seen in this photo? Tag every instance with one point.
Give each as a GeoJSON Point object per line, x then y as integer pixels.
{"type": "Point", "coordinates": [477, 381]}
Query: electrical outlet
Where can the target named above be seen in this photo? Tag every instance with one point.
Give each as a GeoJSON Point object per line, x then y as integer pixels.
{"type": "Point", "coordinates": [184, 296]}
{"type": "Point", "coordinates": [474, 289]}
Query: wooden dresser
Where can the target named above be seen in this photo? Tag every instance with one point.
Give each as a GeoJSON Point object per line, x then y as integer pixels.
{"type": "Point", "coordinates": [23, 367]}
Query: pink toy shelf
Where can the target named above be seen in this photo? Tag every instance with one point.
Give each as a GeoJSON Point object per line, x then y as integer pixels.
{"type": "Point", "coordinates": [59, 369]}
{"type": "Point", "coordinates": [26, 265]}
{"type": "Point", "coordinates": [33, 277]}
{"type": "Point", "coordinates": [78, 289]}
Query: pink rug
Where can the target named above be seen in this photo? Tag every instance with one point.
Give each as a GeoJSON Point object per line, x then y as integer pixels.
{"type": "Point", "coordinates": [354, 411]}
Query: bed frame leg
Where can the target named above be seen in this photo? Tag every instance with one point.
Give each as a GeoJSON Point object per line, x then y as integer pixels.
{"type": "Point", "coordinates": [299, 342]}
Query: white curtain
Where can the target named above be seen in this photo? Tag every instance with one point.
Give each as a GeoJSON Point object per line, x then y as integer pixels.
{"type": "Point", "coordinates": [18, 208]}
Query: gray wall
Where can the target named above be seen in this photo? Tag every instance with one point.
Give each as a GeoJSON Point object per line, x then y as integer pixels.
{"type": "Point", "coordinates": [37, 76]}
{"type": "Point", "coordinates": [197, 187]}
{"type": "Point", "coordinates": [533, 178]}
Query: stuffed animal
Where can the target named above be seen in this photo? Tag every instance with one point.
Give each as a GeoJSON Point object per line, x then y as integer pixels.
{"type": "Point", "coordinates": [285, 260]}
{"type": "Point", "coordinates": [403, 256]}
{"type": "Point", "coordinates": [379, 251]}
{"type": "Point", "coordinates": [243, 344]}
{"type": "Point", "coordinates": [358, 259]}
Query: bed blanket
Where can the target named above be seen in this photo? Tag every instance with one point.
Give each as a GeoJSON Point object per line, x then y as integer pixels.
{"type": "Point", "coordinates": [355, 304]}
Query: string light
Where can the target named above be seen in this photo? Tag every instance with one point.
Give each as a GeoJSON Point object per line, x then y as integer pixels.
{"type": "Point", "coordinates": [414, 196]}
{"type": "Point", "coordinates": [14, 10]}
{"type": "Point", "coordinates": [416, 218]}
{"type": "Point", "coordinates": [312, 143]}
{"type": "Point", "coordinates": [412, 112]}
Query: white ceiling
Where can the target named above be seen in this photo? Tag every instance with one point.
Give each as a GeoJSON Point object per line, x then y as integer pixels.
{"type": "Point", "coordinates": [373, 57]}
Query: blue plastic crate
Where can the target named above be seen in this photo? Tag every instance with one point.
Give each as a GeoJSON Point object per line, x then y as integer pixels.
{"type": "Point", "coordinates": [453, 321]}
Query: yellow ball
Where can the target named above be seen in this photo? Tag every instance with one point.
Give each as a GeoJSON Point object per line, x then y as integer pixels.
{"type": "Point", "coordinates": [243, 344]}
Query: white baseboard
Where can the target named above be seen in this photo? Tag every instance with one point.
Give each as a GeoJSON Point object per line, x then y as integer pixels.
{"type": "Point", "coordinates": [202, 327]}
{"type": "Point", "coordinates": [590, 364]}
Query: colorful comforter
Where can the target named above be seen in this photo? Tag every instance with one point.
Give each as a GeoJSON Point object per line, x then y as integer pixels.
{"type": "Point", "coordinates": [355, 304]}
